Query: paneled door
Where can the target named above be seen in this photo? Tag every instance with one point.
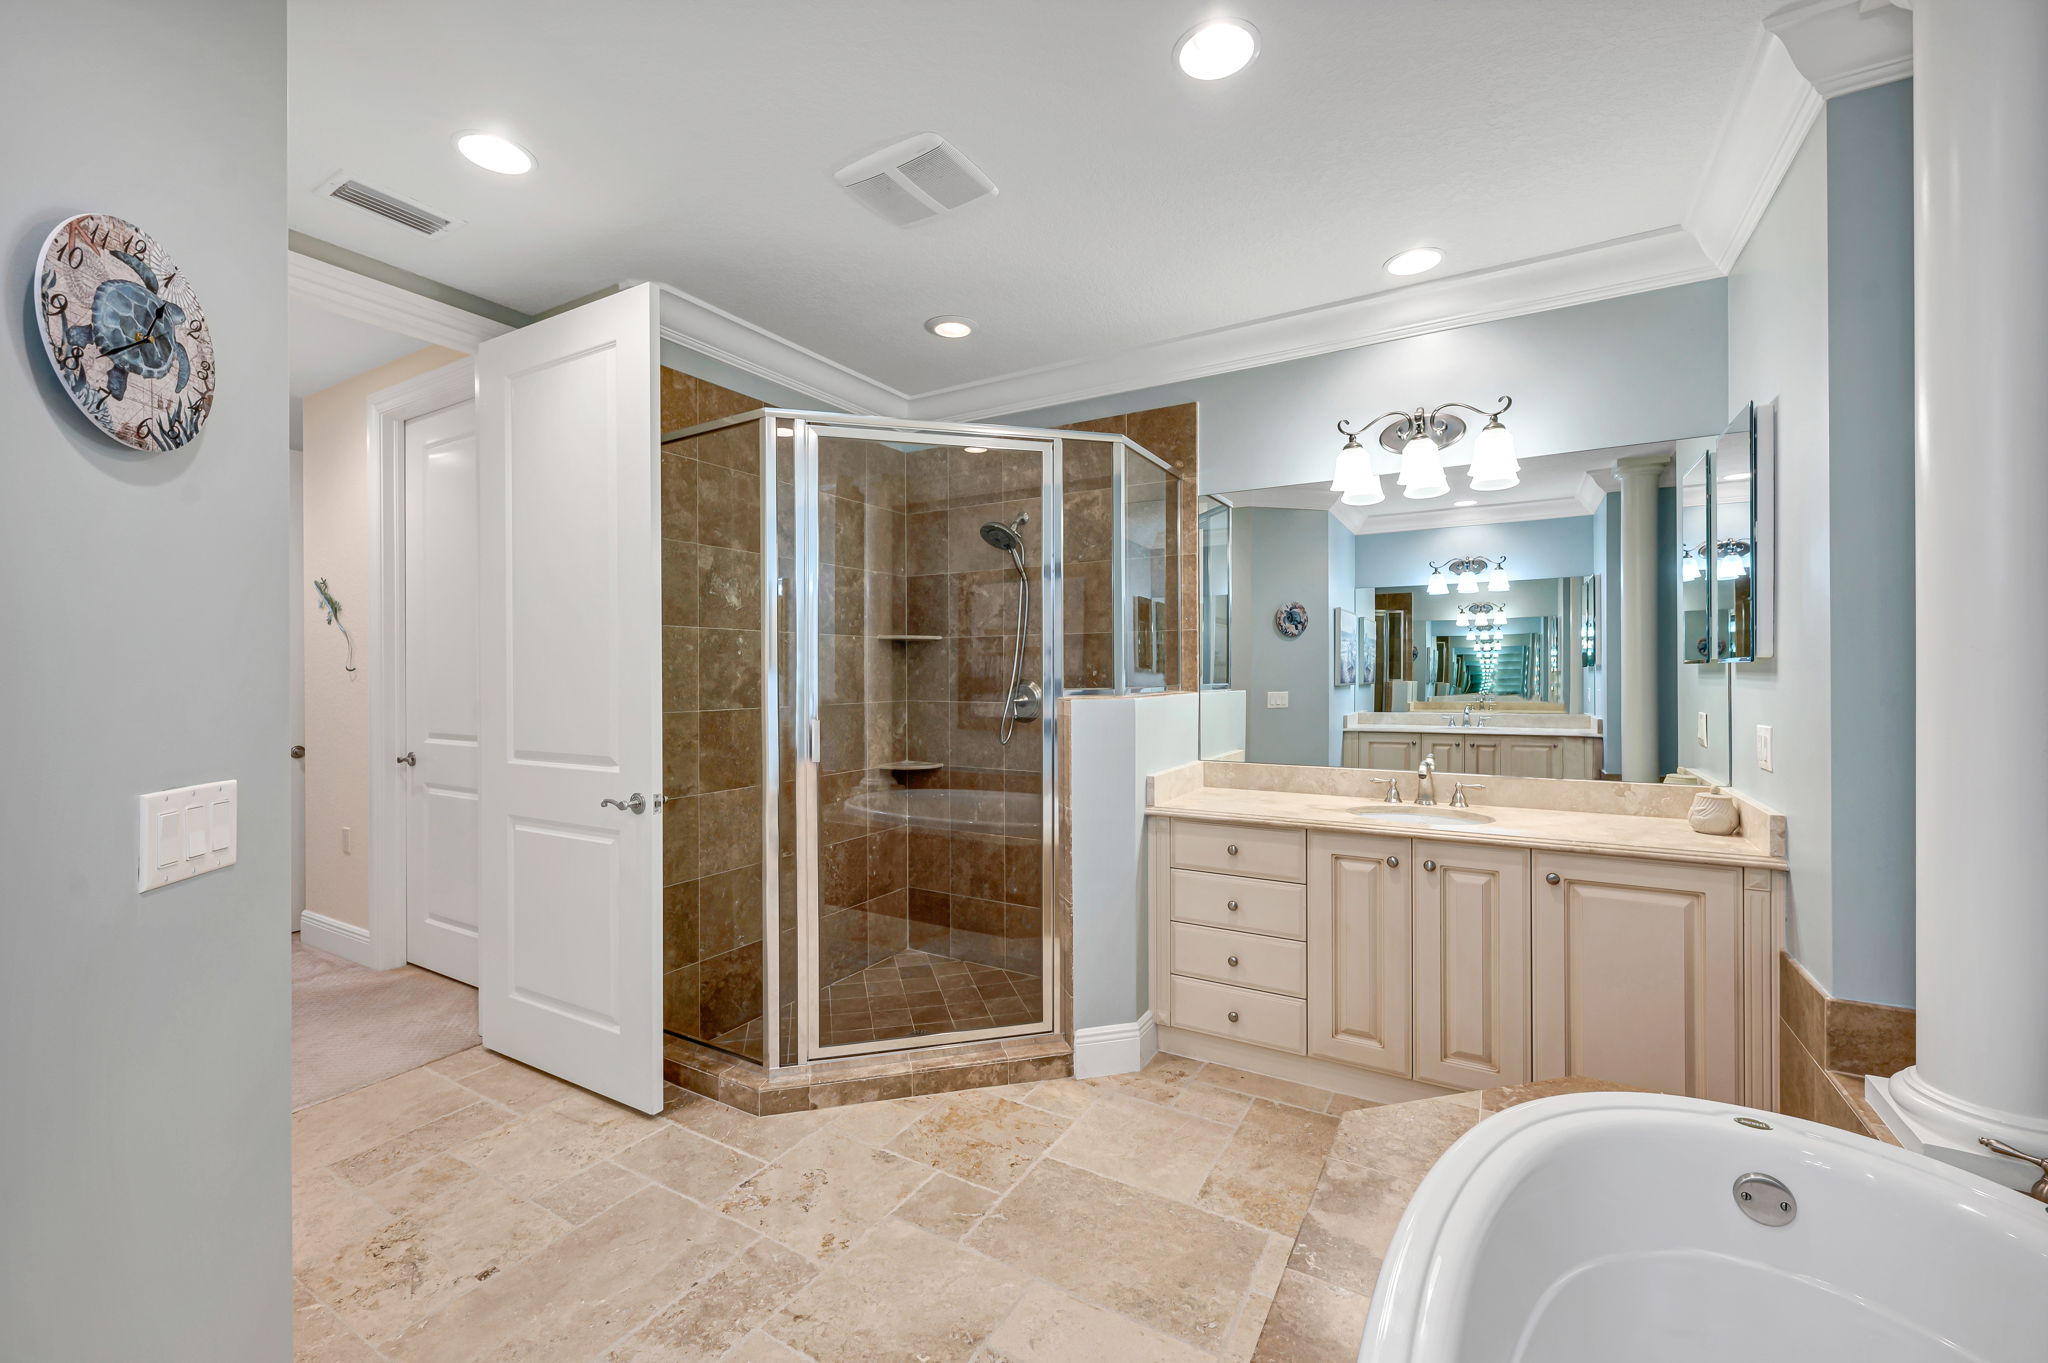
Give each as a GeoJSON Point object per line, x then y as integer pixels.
{"type": "Point", "coordinates": [1358, 950]}
{"type": "Point", "coordinates": [569, 913]}
{"type": "Point", "coordinates": [1635, 974]}
{"type": "Point", "coordinates": [441, 692]}
{"type": "Point", "coordinates": [1471, 964]}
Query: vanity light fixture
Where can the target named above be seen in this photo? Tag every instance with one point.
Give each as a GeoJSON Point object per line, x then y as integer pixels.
{"type": "Point", "coordinates": [1731, 559]}
{"type": "Point", "coordinates": [1414, 260]}
{"type": "Point", "coordinates": [1463, 573]}
{"type": "Point", "coordinates": [1421, 436]}
{"type": "Point", "coordinates": [1218, 48]}
{"type": "Point", "coordinates": [950, 328]}
{"type": "Point", "coordinates": [1355, 480]}
{"type": "Point", "coordinates": [492, 152]}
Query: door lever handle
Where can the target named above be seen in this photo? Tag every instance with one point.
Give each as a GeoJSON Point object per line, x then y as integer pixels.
{"type": "Point", "coordinates": [636, 803]}
{"type": "Point", "coordinates": [409, 760]}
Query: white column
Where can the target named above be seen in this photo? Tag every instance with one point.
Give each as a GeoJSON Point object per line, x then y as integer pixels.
{"type": "Point", "coordinates": [1980, 169]}
{"type": "Point", "coordinates": [1639, 474]}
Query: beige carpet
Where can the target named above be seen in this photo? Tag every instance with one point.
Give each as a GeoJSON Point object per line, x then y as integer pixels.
{"type": "Point", "coordinates": [352, 1027]}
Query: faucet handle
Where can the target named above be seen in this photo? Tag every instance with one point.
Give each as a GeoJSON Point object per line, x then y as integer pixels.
{"type": "Point", "coordinates": [2040, 1189]}
{"type": "Point", "coordinates": [1458, 789]}
{"type": "Point", "coordinates": [1393, 786]}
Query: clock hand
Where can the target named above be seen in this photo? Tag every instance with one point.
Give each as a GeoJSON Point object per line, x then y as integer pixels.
{"type": "Point", "coordinates": [143, 339]}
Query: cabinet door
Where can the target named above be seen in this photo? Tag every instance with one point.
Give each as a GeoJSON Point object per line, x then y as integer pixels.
{"type": "Point", "coordinates": [1635, 974]}
{"type": "Point", "coordinates": [1530, 756]}
{"type": "Point", "coordinates": [1482, 754]}
{"type": "Point", "coordinates": [1389, 752]}
{"type": "Point", "coordinates": [1358, 952]}
{"type": "Point", "coordinates": [1448, 750]}
{"type": "Point", "coordinates": [1471, 927]}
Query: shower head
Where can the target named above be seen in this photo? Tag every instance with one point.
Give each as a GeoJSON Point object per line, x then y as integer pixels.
{"type": "Point", "coordinates": [1005, 537]}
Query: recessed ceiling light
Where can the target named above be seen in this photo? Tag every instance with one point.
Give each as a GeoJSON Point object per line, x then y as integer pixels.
{"type": "Point", "coordinates": [493, 152]}
{"type": "Point", "coordinates": [1467, 502]}
{"type": "Point", "coordinates": [1415, 260]}
{"type": "Point", "coordinates": [1219, 48]}
{"type": "Point", "coordinates": [951, 328]}
{"type": "Point", "coordinates": [974, 449]}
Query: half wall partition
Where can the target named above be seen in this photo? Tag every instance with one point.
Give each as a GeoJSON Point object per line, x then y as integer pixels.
{"type": "Point", "coordinates": [867, 625]}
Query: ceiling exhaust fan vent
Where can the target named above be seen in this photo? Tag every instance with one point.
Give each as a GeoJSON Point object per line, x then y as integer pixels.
{"type": "Point", "coordinates": [423, 220]}
{"type": "Point", "coordinates": [917, 178]}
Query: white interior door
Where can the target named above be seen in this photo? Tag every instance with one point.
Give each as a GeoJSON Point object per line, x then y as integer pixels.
{"type": "Point", "coordinates": [441, 691]}
{"type": "Point", "coordinates": [569, 912]}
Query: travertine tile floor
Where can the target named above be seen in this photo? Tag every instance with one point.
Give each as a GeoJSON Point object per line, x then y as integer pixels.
{"type": "Point", "coordinates": [476, 1209]}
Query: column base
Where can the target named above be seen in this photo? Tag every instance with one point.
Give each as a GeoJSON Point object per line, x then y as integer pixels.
{"type": "Point", "coordinates": [1932, 1123]}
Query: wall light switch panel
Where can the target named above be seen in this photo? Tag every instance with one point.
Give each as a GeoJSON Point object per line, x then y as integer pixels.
{"type": "Point", "coordinates": [1763, 746]}
{"type": "Point", "coordinates": [1703, 728]}
{"type": "Point", "coordinates": [1276, 700]}
{"type": "Point", "coordinates": [186, 833]}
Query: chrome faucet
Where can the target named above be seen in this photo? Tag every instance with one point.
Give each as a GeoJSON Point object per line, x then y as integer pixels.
{"type": "Point", "coordinates": [2039, 1192]}
{"type": "Point", "coordinates": [1425, 781]}
{"type": "Point", "coordinates": [1468, 716]}
{"type": "Point", "coordinates": [1393, 788]}
{"type": "Point", "coordinates": [1458, 789]}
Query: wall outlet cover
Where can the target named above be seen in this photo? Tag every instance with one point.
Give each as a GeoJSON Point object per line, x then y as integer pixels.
{"type": "Point", "coordinates": [1763, 747]}
{"type": "Point", "coordinates": [1276, 700]}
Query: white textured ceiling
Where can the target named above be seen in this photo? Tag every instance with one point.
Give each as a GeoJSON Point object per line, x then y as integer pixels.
{"type": "Point", "coordinates": [693, 143]}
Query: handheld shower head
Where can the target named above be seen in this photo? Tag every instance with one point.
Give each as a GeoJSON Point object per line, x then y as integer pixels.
{"type": "Point", "coordinates": [1005, 537]}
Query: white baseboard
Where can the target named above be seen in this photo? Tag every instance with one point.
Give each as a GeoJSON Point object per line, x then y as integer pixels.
{"type": "Point", "coordinates": [1121, 1048]}
{"type": "Point", "coordinates": [345, 940]}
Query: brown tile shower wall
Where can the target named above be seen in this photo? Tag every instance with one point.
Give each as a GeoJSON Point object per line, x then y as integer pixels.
{"type": "Point", "coordinates": [711, 720]}
{"type": "Point", "coordinates": [974, 883]}
{"type": "Point", "coordinates": [1172, 433]}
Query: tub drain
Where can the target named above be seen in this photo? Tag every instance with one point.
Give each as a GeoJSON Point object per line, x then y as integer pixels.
{"type": "Point", "coordinates": [1765, 1201]}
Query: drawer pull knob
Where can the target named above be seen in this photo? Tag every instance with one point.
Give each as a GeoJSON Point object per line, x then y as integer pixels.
{"type": "Point", "coordinates": [1232, 906]}
{"type": "Point", "coordinates": [1233, 1015]}
{"type": "Point", "coordinates": [1233, 960]}
{"type": "Point", "coordinates": [1551, 879]}
{"type": "Point", "coordinates": [1429, 865]}
{"type": "Point", "coordinates": [1392, 862]}
{"type": "Point", "coordinates": [1232, 849]}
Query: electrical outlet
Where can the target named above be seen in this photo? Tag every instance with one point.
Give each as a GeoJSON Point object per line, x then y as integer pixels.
{"type": "Point", "coordinates": [1703, 728]}
{"type": "Point", "coordinates": [1763, 746]}
{"type": "Point", "coordinates": [1276, 700]}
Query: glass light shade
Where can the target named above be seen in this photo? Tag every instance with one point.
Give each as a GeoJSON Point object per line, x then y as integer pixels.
{"type": "Point", "coordinates": [1367, 493]}
{"type": "Point", "coordinates": [1494, 467]}
{"type": "Point", "coordinates": [1467, 582]}
{"type": "Point", "coordinates": [1421, 463]}
{"type": "Point", "coordinates": [1354, 467]}
{"type": "Point", "coordinates": [1730, 566]}
{"type": "Point", "coordinates": [1498, 582]}
{"type": "Point", "coordinates": [1438, 584]}
{"type": "Point", "coordinates": [1689, 569]}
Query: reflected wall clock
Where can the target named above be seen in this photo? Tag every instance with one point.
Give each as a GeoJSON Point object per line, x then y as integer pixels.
{"type": "Point", "coordinates": [124, 332]}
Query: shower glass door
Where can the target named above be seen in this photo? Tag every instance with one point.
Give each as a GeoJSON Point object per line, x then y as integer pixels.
{"type": "Point", "coordinates": [922, 734]}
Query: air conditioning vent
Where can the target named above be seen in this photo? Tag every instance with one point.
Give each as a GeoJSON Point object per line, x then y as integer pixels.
{"type": "Point", "coordinates": [423, 220]}
{"type": "Point", "coordinates": [917, 178]}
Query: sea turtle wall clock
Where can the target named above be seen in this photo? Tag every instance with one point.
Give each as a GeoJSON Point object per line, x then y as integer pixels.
{"type": "Point", "coordinates": [125, 332]}
{"type": "Point", "coordinates": [1291, 620]}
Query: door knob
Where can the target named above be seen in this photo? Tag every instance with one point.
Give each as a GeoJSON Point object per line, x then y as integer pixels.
{"type": "Point", "coordinates": [1552, 878]}
{"type": "Point", "coordinates": [636, 803]}
{"type": "Point", "coordinates": [298, 750]}
{"type": "Point", "coordinates": [409, 760]}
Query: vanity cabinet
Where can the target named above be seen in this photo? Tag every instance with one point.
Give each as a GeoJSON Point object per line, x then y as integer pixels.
{"type": "Point", "coordinates": [1476, 752]}
{"type": "Point", "coordinates": [1464, 965]}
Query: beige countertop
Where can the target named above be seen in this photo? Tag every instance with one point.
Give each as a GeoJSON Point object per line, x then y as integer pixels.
{"type": "Point", "coordinates": [1561, 830]}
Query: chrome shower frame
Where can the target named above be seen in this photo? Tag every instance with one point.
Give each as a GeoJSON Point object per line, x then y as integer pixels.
{"type": "Point", "coordinates": [797, 599]}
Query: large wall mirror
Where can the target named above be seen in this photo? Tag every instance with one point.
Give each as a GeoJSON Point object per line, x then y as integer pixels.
{"type": "Point", "coordinates": [1480, 627]}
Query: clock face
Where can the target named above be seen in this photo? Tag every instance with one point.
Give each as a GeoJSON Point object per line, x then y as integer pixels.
{"type": "Point", "coordinates": [125, 332]}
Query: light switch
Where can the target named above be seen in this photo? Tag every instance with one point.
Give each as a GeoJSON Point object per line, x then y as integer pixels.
{"type": "Point", "coordinates": [1763, 746]}
{"type": "Point", "coordinates": [1703, 728]}
{"type": "Point", "coordinates": [185, 833]}
{"type": "Point", "coordinates": [1276, 700]}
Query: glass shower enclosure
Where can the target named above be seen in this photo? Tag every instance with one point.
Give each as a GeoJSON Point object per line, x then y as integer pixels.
{"type": "Point", "coordinates": [867, 624]}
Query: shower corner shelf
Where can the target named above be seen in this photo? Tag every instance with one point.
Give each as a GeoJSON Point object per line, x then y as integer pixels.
{"type": "Point", "coordinates": [908, 766]}
{"type": "Point", "coordinates": [910, 638]}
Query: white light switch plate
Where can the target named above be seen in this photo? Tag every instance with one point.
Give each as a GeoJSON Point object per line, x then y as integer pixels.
{"type": "Point", "coordinates": [186, 833]}
{"type": "Point", "coordinates": [1703, 728]}
{"type": "Point", "coordinates": [1276, 700]}
{"type": "Point", "coordinates": [1763, 746]}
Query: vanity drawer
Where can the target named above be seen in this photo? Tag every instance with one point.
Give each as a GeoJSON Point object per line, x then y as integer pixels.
{"type": "Point", "coordinates": [1270, 963]}
{"type": "Point", "coordinates": [1240, 904]}
{"type": "Point", "coordinates": [1275, 853]}
{"type": "Point", "coordinates": [1241, 1014]}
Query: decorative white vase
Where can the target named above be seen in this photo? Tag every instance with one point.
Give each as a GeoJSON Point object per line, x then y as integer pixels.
{"type": "Point", "coordinates": [1714, 813]}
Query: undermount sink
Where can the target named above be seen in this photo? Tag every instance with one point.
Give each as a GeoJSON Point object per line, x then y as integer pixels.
{"type": "Point", "coordinates": [1442, 816]}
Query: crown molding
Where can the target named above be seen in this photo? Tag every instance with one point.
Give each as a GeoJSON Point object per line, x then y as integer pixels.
{"type": "Point", "coordinates": [689, 320]}
{"type": "Point", "coordinates": [1843, 46]}
{"type": "Point", "coordinates": [1650, 260]}
{"type": "Point", "coordinates": [363, 299]}
{"type": "Point", "coordinates": [1775, 107]}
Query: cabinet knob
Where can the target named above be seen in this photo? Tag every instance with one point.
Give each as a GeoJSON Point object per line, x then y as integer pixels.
{"type": "Point", "coordinates": [1232, 849]}
{"type": "Point", "coordinates": [1429, 865]}
{"type": "Point", "coordinates": [1393, 862]}
{"type": "Point", "coordinates": [1232, 906]}
{"type": "Point", "coordinates": [1552, 878]}
{"type": "Point", "coordinates": [1233, 960]}
{"type": "Point", "coordinates": [1233, 1015]}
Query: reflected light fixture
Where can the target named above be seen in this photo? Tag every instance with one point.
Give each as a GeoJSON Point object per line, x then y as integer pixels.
{"type": "Point", "coordinates": [1420, 438]}
{"type": "Point", "coordinates": [974, 449]}
{"type": "Point", "coordinates": [1731, 559]}
{"type": "Point", "coordinates": [950, 328]}
{"type": "Point", "coordinates": [492, 152]}
{"type": "Point", "coordinates": [1414, 260]}
{"type": "Point", "coordinates": [1688, 566]}
{"type": "Point", "coordinates": [1219, 48]}
{"type": "Point", "coordinates": [1464, 573]}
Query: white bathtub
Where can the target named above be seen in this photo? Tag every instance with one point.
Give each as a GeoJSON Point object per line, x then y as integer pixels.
{"type": "Point", "coordinates": [1603, 1228]}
